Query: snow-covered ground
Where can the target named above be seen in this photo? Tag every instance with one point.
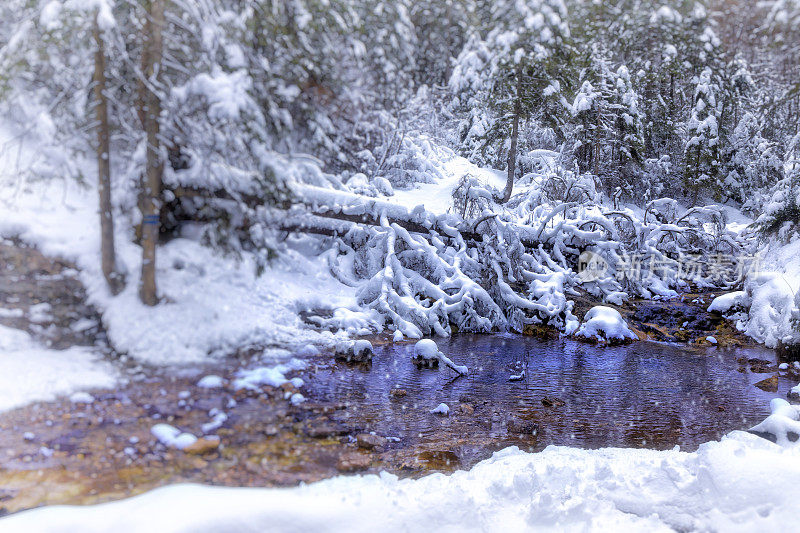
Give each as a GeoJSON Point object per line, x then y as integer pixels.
{"type": "Point", "coordinates": [773, 294]}
{"type": "Point", "coordinates": [743, 483]}
{"type": "Point", "coordinates": [211, 304]}
{"type": "Point", "coordinates": [31, 372]}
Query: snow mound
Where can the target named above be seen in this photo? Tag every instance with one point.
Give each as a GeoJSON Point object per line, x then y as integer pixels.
{"type": "Point", "coordinates": [172, 436]}
{"type": "Point", "coordinates": [210, 382]}
{"type": "Point", "coordinates": [774, 291]}
{"type": "Point", "coordinates": [274, 376]}
{"type": "Point", "coordinates": [782, 425]}
{"type": "Point", "coordinates": [732, 300]}
{"type": "Point", "coordinates": [441, 409]}
{"type": "Point", "coordinates": [743, 483]}
{"type": "Point", "coordinates": [30, 372]}
{"type": "Point", "coordinates": [605, 324]}
{"type": "Point", "coordinates": [427, 350]}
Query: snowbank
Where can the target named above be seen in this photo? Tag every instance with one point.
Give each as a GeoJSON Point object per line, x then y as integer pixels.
{"type": "Point", "coordinates": [743, 483]}
{"type": "Point", "coordinates": [605, 324]}
{"type": "Point", "coordinates": [773, 292]}
{"type": "Point", "coordinates": [211, 305]}
{"type": "Point", "coordinates": [732, 300]}
{"type": "Point", "coordinates": [30, 372]}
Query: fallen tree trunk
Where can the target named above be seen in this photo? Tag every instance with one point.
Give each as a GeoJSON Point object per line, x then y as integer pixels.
{"type": "Point", "coordinates": [309, 204]}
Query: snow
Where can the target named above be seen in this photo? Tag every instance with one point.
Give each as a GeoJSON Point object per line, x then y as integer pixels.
{"type": "Point", "coordinates": [172, 436]}
{"type": "Point", "coordinates": [197, 286]}
{"type": "Point", "coordinates": [210, 382]}
{"type": "Point", "coordinates": [711, 339]}
{"type": "Point", "coordinates": [772, 290]}
{"type": "Point", "coordinates": [725, 302]}
{"type": "Point", "coordinates": [427, 349]}
{"type": "Point", "coordinates": [217, 419]}
{"type": "Point", "coordinates": [437, 197]}
{"type": "Point", "coordinates": [362, 348]}
{"type": "Point", "coordinates": [742, 483]}
{"type": "Point", "coordinates": [81, 397]}
{"type": "Point", "coordinates": [274, 376]}
{"type": "Point", "coordinates": [30, 372]}
{"type": "Point", "coordinates": [605, 323]}
{"type": "Point", "coordinates": [441, 409]}
{"type": "Point", "coordinates": [781, 423]}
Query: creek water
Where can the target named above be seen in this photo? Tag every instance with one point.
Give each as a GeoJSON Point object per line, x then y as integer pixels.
{"type": "Point", "coordinates": [645, 394]}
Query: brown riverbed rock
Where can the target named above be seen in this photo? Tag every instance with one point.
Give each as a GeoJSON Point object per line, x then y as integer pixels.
{"type": "Point", "coordinates": [540, 331]}
{"type": "Point", "coordinates": [324, 429]}
{"type": "Point", "coordinates": [548, 401]}
{"type": "Point", "coordinates": [769, 384]}
{"type": "Point", "coordinates": [466, 409]}
{"type": "Point", "coordinates": [439, 459]}
{"type": "Point", "coordinates": [369, 441]}
{"type": "Point", "coordinates": [758, 366]}
{"type": "Point", "coordinates": [397, 393]}
{"type": "Point", "coordinates": [202, 446]}
{"type": "Point", "coordinates": [353, 462]}
{"type": "Point", "coordinates": [793, 396]}
{"type": "Point", "coordinates": [520, 426]}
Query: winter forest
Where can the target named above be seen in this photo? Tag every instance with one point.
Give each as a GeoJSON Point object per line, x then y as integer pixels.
{"type": "Point", "coordinates": [490, 265]}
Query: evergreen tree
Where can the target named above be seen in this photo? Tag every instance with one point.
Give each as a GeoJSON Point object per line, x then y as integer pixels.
{"type": "Point", "coordinates": [518, 73]}
{"type": "Point", "coordinates": [702, 157]}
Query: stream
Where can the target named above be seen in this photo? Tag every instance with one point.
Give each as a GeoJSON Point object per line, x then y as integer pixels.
{"type": "Point", "coordinates": [645, 394]}
{"type": "Point", "coordinates": [377, 417]}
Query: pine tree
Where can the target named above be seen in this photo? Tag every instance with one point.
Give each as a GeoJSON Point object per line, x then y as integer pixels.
{"type": "Point", "coordinates": [518, 73]}
{"type": "Point", "coordinates": [702, 157]}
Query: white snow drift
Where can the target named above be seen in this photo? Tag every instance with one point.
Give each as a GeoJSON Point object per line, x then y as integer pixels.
{"type": "Point", "coordinates": [30, 372]}
{"type": "Point", "coordinates": [743, 483]}
{"type": "Point", "coordinates": [605, 324]}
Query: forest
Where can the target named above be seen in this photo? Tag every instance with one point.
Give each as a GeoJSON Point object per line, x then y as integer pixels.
{"type": "Point", "coordinates": [190, 188]}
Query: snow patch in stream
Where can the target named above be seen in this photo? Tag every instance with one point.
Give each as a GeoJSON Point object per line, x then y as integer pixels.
{"type": "Point", "coordinates": [31, 372]}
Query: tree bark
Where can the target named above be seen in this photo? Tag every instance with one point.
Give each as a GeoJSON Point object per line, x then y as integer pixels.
{"type": "Point", "coordinates": [151, 187]}
{"type": "Point", "coordinates": [108, 257]}
{"type": "Point", "coordinates": [512, 151]}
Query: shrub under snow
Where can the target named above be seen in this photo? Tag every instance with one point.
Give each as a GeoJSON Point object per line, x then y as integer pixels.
{"type": "Point", "coordinates": [605, 324]}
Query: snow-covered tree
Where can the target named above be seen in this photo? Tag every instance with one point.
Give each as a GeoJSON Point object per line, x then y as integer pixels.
{"type": "Point", "coordinates": [702, 152]}
{"type": "Point", "coordinates": [517, 72]}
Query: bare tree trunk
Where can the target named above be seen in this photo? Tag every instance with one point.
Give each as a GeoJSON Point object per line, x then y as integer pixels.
{"type": "Point", "coordinates": [107, 253]}
{"type": "Point", "coordinates": [512, 151]}
{"type": "Point", "coordinates": [151, 188]}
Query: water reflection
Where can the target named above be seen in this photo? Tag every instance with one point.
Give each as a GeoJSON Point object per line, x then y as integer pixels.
{"type": "Point", "coordinates": [641, 395]}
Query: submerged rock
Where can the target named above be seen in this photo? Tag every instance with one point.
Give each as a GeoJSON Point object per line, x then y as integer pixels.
{"type": "Point", "coordinates": [769, 384]}
{"type": "Point", "coordinates": [203, 446]}
{"type": "Point", "coordinates": [353, 462]}
{"type": "Point", "coordinates": [369, 441]}
{"type": "Point", "coordinates": [520, 426]}
{"type": "Point", "coordinates": [552, 402]}
{"type": "Point", "coordinates": [359, 351]}
{"type": "Point", "coordinates": [324, 429]}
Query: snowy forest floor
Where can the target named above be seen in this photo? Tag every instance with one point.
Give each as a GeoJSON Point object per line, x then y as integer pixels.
{"type": "Point", "coordinates": [90, 448]}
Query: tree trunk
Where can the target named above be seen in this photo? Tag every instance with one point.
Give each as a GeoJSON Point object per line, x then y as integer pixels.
{"type": "Point", "coordinates": [107, 254]}
{"type": "Point", "coordinates": [151, 187]}
{"type": "Point", "coordinates": [512, 151]}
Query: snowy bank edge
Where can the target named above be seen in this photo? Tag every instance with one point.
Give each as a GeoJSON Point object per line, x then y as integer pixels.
{"type": "Point", "coordinates": [742, 481]}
